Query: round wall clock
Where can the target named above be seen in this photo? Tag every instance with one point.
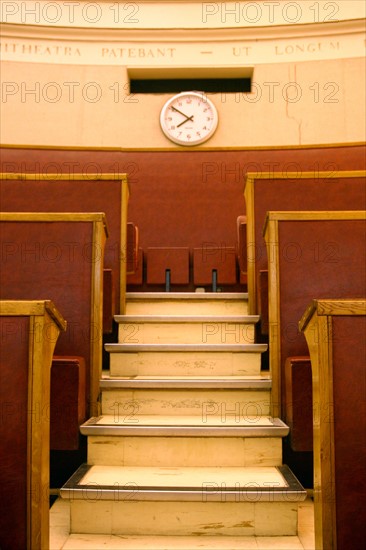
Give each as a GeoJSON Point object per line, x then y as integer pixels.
{"type": "Point", "coordinates": [189, 118]}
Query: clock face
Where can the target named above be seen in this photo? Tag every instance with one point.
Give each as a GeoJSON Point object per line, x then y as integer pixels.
{"type": "Point", "coordinates": [189, 118]}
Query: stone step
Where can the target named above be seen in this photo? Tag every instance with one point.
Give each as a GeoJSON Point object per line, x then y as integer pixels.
{"type": "Point", "coordinates": [192, 382]}
{"type": "Point", "coordinates": [184, 501]}
{"type": "Point", "coordinates": [186, 329]}
{"type": "Point", "coordinates": [185, 440]}
{"type": "Point", "coordinates": [135, 396]}
{"type": "Point", "coordinates": [189, 426]}
{"type": "Point", "coordinates": [186, 303]}
{"type": "Point", "coordinates": [185, 360]}
{"type": "Point", "coordinates": [83, 541]}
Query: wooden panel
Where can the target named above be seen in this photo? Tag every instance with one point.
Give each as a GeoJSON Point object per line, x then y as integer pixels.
{"type": "Point", "coordinates": [107, 193]}
{"type": "Point", "coordinates": [223, 165]}
{"type": "Point", "coordinates": [349, 393]}
{"type": "Point", "coordinates": [300, 192]}
{"type": "Point", "coordinates": [335, 333]}
{"type": "Point", "coordinates": [13, 448]}
{"type": "Point", "coordinates": [29, 331]}
{"type": "Point", "coordinates": [60, 256]}
{"type": "Point", "coordinates": [310, 254]}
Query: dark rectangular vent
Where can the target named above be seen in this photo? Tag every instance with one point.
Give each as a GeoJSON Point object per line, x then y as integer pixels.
{"type": "Point", "coordinates": [214, 85]}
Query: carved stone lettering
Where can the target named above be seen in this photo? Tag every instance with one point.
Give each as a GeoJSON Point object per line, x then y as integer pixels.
{"type": "Point", "coordinates": [239, 51]}
{"type": "Point", "coordinates": [311, 47]}
{"type": "Point", "coordinates": [39, 49]}
{"type": "Point", "coordinates": [152, 53]}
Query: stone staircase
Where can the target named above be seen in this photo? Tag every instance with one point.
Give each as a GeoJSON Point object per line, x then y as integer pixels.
{"type": "Point", "coordinates": [185, 451]}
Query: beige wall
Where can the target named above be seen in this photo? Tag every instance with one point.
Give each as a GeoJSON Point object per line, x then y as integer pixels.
{"type": "Point", "coordinates": [69, 87]}
{"type": "Point", "coordinates": [326, 106]}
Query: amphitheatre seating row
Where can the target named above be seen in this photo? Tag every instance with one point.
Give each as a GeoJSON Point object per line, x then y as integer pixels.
{"type": "Point", "coordinates": [59, 256]}
{"type": "Point", "coordinates": [187, 266]}
{"type": "Point", "coordinates": [198, 196]}
{"type": "Point", "coordinates": [41, 269]}
{"type": "Point", "coordinates": [310, 191]}
{"type": "Point", "coordinates": [29, 331]}
{"type": "Point", "coordinates": [108, 193]}
{"type": "Point", "coordinates": [298, 192]}
{"type": "Point", "coordinates": [75, 374]}
{"type": "Point", "coordinates": [74, 192]}
{"type": "Point", "coordinates": [306, 191]}
{"type": "Point", "coordinates": [310, 255]}
{"type": "Point", "coordinates": [335, 333]}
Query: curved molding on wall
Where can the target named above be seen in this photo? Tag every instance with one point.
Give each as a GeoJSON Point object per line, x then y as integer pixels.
{"type": "Point", "coordinates": [182, 48]}
{"type": "Point", "coordinates": [188, 14]}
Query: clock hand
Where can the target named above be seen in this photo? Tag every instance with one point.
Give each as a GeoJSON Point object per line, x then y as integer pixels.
{"type": "Point", "coordinates": [178, 111]}
{"type": "Point", "coordinates": [184, 121]}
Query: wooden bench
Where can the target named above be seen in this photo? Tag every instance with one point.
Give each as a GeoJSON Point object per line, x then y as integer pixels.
{"type": "Point", "coordinates": [219, 259]}
{"type": "Point", "coordinates": [29, 331]}
{"type": "Point", "coordinates": [73, 192]}
{"type": "Point", "coordinates": [211, 265]}
{"type": "Point", "coordinates": [60, 256]}
{"type": "Point", "coordinates": [159, 260]}
{"type": "Point", "coordinates": [310, 254]}
{"type": "Point", "coordinates": [335, 333]}
{"type": "Point", "coordinates": [303, 191]}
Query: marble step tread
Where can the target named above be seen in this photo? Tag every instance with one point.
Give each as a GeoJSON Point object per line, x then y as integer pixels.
{"type": "Point", "coordinates": [86, 541]}
{"type": "Point", "coordinates": [153, 483]}
{"type": "Point", "coordinates": [184, 426]}
{"type": "Point", "coordinates": [186, 296]}
{"type": "Point", "coordinates": [200, 348]}
{"type": "Point", "coordinates": [237, 319]}
{"type": "Point", "coordinates": [261, 382]}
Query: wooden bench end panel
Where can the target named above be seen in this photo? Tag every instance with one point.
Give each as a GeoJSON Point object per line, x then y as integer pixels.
{"type": "Point", "coordinates": [68, 409]}
{"type": "Point", "coordinates": [137, 278]}
{"type": "Point", "coordinates": [109, 300]}
{"type": "Point", "coordinates": [299, 403]}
